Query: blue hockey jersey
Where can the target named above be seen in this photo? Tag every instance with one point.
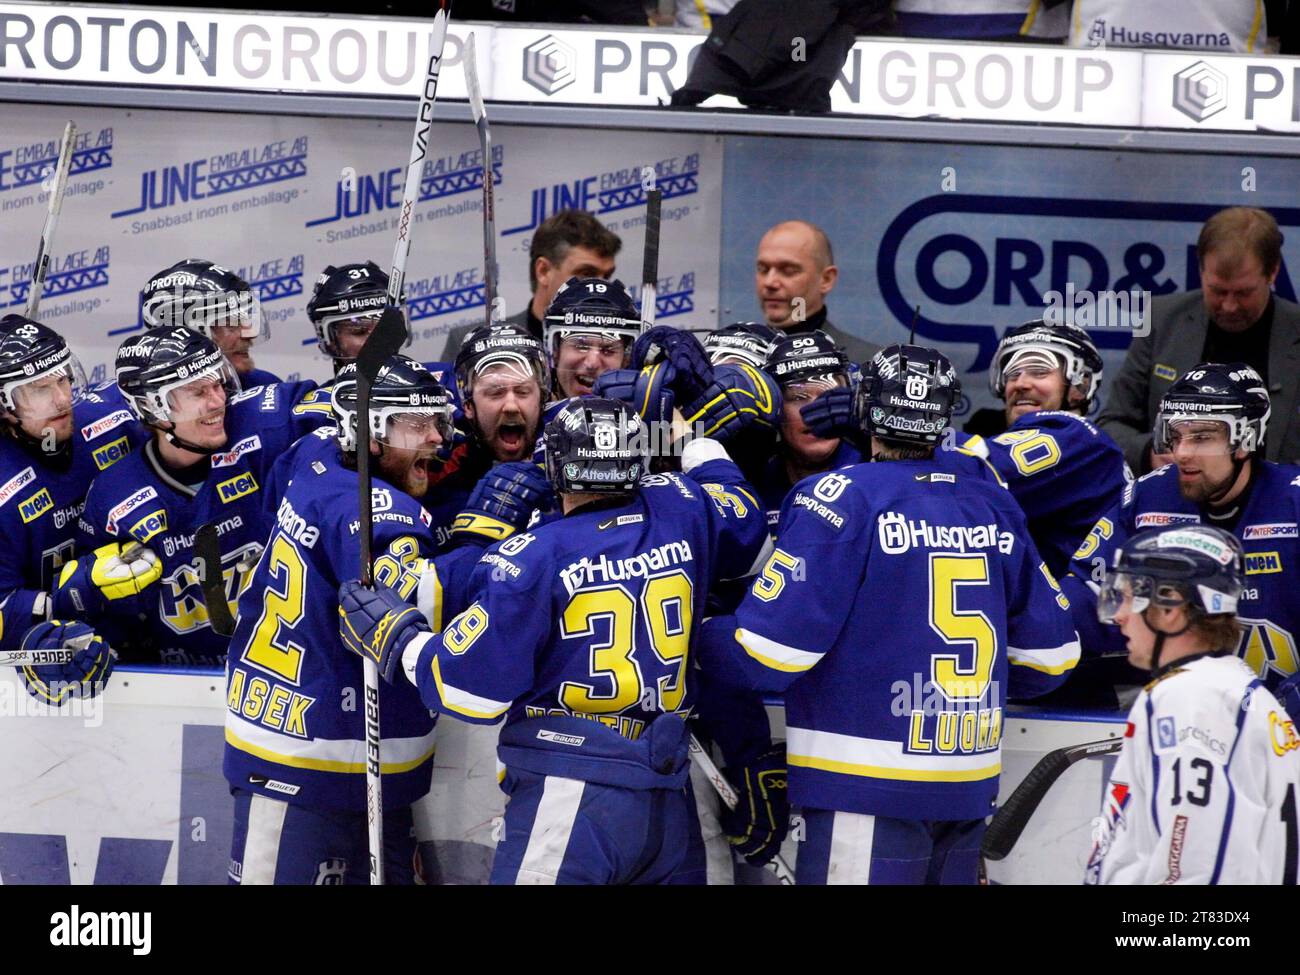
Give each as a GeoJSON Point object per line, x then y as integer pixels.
{"type": "Point", "coordinates": [135, 499]}
{"type": "Point", "coordinates": [41, 499]}
{"type": "Point", "coordinates": [1064, 472]}
{"type": "Point", "coordinates": [588, 622]}
{"type": "Point", "coordinates": [902, 606]}
{"type": "Point", "coordinates": [295, 694]}
{"type": "Point", "coordinates": [773, 484]}
{"type": "Point", "coordinates": [1268, 609]}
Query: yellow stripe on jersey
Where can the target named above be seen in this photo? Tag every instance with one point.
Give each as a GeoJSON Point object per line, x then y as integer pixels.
{"type": "Point", "coordinates": [776, 656]}
{"type": "Point", "coordinates": [901, 774]}
{"type": "Point", "coordinates": [463, 702]}
{"type": "Point", "coordinates": [324, 764]}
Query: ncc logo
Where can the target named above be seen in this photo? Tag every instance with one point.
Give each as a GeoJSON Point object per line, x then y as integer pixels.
{"type": "Point", "coordinates": [550, 64]}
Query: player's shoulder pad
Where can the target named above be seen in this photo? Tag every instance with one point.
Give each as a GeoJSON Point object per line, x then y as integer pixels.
{"type": "Point", "coordinates": [831, 496]}
{"type": "Point", "coordinates": [510, 560]}
{"type": "Point", "coordinates": [671, 481]}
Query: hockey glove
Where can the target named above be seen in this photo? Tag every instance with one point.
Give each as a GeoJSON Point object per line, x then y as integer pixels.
{"type": "Point", "coordinates": [761, 819]}
{"type": "Point", "coordinates": [739, 397]}
{"type": "Point", "coordinates": [831, 415]}
{"type": "Point", "coordinates": [378, 623]}
{"type": "Point", "coordinates": [503, 501]}
{"type": "Point", "coordinates": [617, 384]}
{"type": "Point", "coordinates": [81, 677]}
{"type": "Point", "coordinates": [108, 577]}
{"type": "Point", "coordinates": [691, 370]}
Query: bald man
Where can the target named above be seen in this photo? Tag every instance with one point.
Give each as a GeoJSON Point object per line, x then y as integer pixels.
{"type": "Point", "coordinates": [793, 272]}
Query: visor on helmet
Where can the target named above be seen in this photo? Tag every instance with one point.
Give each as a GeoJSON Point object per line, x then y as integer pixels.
{"type": "Point", "coordinates": [47, 393]}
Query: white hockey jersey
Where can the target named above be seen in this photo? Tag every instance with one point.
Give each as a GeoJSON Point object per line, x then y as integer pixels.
{"type": "Point", "coordinates": [1204, 790]}
{"type": "Point", "coordinates": [1201, 25]}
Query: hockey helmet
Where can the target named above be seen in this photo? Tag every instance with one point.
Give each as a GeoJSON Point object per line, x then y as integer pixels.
{"type": "Point", "coordinates": [161, 371]}
{"type": "Point", "coordinates": [747, 342]}
{"type": "Point", "coordinates": [404, 394]}
{"type": "Point", "coordinates": [596, 446]}
{"type": "Point", "coordinates": [201, 296]}
{"type": "Point", "coordinates": [1197, 565]}
{"type": "Point", "coordinates": [513, 348]}
{"type": "Point", "coordinates": [40, 377]}
{"type": "Point", "coordinates": [1068, 346]}
{"type": "Point", "coordinates": [1233, 394]}
{"type": "Point", "coordinates": [350, 295]}
{"type": "Point", "coordinates": [594, 307]}
{"type": "Point", "coordinates": [907, 395]}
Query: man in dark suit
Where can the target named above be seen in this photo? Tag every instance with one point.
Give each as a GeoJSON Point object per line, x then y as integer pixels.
{"type": "Point", "coordinates": [794, 271]}
{"type": "Point", "coordinates": [1234, 317]}
{"type": "Point", "coordinates": [571, 243]}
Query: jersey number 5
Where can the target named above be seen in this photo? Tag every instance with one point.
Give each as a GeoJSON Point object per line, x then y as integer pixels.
{"type": "Point", "coordinates": [949, 574]}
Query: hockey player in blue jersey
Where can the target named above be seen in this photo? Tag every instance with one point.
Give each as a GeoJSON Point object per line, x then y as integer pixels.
{"type": "Point", "coordinates": [215, 302]}
{"type": "Point", "coordinates": [54, 438]}
{"type": "Point", "coordinates": [295, 748]}
{"type": "Point", "coordinates": [805, 366]}
{"type": "Point", "coordinates": [580, 637]}
{"type": "Point", "coordinates": [210, 451]}
{"type": "Point", "coordinates": [1064, 471]}
{"type": "Point", "coordinates": [1213, 421]}
{"type": "Point", "coordinates": [589, 329]}
{"type": "Point", "coordinates": [894, 710]}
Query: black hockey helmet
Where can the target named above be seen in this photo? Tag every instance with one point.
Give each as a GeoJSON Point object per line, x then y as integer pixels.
{"type": "Point", "coordinates": [748, 342]}
{"type": "Point", "coordinates": [596, 446]}
{"type": "Point", "coordinates": [907, 395]}
{"type": "Point", "coordinates": [153, 366]}
{"type": "Point", "coordinates": [1197, 565]}
{"type": "Point", "coordinates": [402, 389]}
{"type": "Point", "coordinates": [807, 357]}
{"type": "Point", "coordinates": [202, 296]}
{"type": "Point", "coordinates": [1232, 393]}
{"type": "Point", "coordinates": [591, 306]}
{"type": "Point", "coordinates": [502, 344]}
{"type": "Point", "coordinates": [342, 295]}
{"type": "Point", "coordinates": [1068, 346]}
{"type": "Point", "coordinates": [35, 363]}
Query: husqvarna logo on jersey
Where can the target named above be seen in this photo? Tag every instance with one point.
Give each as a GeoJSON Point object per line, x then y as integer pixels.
{"type": "Point", "coordinates": [237, 487]}
{"type": "Point", "coordinates": [830, 487]}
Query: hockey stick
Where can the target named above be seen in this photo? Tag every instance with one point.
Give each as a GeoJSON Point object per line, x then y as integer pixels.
{"type": "Point", "coordinates": [419, 151]}
{"type": "Point", "coordinates": [35, 658]}
{"type": "Point", "coordinates": [207, 547]}
{"type": "Point", "coordinates": [727, 794]}
{"type": "Point", "coordinates": [489, 195]}
{"type": "Point", "coordinates": [380, 346]}
{"type": "Point", "coordinates": [654, 200]}
{"type": "Point", "coordinates": [62, 168]}
{"type": "Point", "coordinates": [1012, 818]}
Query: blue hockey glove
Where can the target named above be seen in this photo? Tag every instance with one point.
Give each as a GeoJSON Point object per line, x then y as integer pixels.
{"type": "Point", "coordinates": [379, 624]}
{"type": "Point", "coordinates": [760, 821]}
{"type": "Point", "coordinates": [111, 575]}
{"type": "Point", "coordinates": [691, 369]}
{"type": "Point", "coordinates": [503, 501]}
{"type": "Point", "coordinates": [81, 677]}
{"type": "Point", "coordinates": [617, 384]}
{"type": "Point", "coordinates": [830, 415]}
{"type": "Point", "coordinates": [740, 396]}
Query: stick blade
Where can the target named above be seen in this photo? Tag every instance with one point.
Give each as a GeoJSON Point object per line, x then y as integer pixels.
{"type": "Point", "coordinates": [470, 60]}
{"type": "Point", "coordinates": [383, 343]}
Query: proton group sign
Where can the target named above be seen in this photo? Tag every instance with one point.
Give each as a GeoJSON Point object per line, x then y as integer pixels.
{"type": "Point", "coordinates": [193, 48]}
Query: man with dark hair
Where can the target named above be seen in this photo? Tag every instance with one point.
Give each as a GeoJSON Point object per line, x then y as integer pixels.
{"type": "Point", "coordinates": [1233, 317]}
{"type": "Point", "coordinates": [571, 243]}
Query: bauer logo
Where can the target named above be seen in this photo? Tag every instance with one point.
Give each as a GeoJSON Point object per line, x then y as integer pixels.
{"type": "Point", "coordinates": [149, 526]}
{"type": "Point", "coordinates": [28, 165]}
{"type": "Point", "coordinates": [549, 65]}
{"type": "Point", "coordinates": [363, 194]}
{"type": "Point", "coordinates": [109, 454]}
{"type": "Point", "coordinates": [616, 190]}
{"type": "Point", "coordinates": [237, 487]}
{"type": "Point", "coordinates": [1096, 263]}
{"type": "Point", "coordinates": [236, 172]}
{"type": "Point", "coordinates": [35, 506]}
{"type": "Point", "coordinates": [1200, 91]}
